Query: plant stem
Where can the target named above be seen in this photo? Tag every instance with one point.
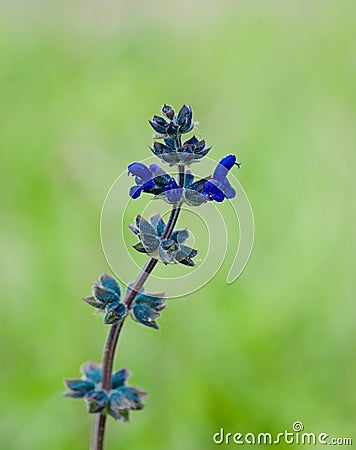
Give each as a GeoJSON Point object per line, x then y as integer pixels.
{"type": "Point", "coordinates": [115, 330]}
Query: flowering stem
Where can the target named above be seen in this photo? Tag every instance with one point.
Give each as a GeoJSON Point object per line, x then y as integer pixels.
{"type": "Point", "coordinates": [115, 330]}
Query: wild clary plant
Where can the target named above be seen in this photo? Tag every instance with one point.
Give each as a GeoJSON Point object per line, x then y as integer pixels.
{"type": "Point", "coordinates": [107, 393]}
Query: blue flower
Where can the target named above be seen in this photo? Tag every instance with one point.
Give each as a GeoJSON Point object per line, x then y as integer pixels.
{"type": "Point", "coordinates": [150, 179]}
{"type": "Point", "coordinates": [191, 192]}
{"type": "Point", "coordinates": [191, 151]}
{"type": "Point", "coordinates": [169, 250]}
{"type": "Point", "coordinates": [154, 180]}
{"type": "Point", "coordinates": [176, 124]}
{"type": "Point", "coordinates": [218, 187]}
{"type": "Point", "coordinates": [117, 402]}
{"type": "Point", "coordinates": [107, 296]}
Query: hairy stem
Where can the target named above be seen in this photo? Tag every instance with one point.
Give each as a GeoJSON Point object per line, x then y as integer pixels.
{"type": "Point", "coordinates": [115, 330]}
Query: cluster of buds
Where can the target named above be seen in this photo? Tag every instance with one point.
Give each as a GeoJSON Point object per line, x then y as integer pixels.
{"type": "Point", "coordinates": [153, 242]}
{"type": "Point", "coordinates": [117, 402]}
{"type": "Point", "coordinates": [145, 308]}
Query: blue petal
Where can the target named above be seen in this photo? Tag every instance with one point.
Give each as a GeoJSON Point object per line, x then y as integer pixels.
{"type": "Point", "coordinates": [192, 141]}
{"type": "Point", "coordinates": [105, 295]}
{"type": "Point", "coordinates": [118, 402]}
{"type": "Point", "coordinates": [199, 146]}
{"type": "Point", "coordinates": [227, 189]}
{"type": "Point", "coordinates": [180, 236]}
{"type": "Point", "coordinates": [171, 144]}
{"type": "Point", "coordinates": [144, 226]}
{"type": "Point", "coordinates": [184, 115]}
{"type": "Point", "coordinates": [158, 124]}
{"type": "Point", "coordinates": [140, 170]}
{"type": "Point", "coordinates": [135, 191]}
{"type": "Point", "coordinates": [118, 379]}
{"type": "Point", "coordinates": [212, 191]}
{"type": "Point", "coordinates": [186, 252]}
{"type": "Point", "coordinates": [158, 148]}
{"type": "Point", "coordinates": [156, 170]}
{"type": "Point", "coordinates": [91, 371]}
{"type": "Point", "coordinates": [148, 186]}
{"type": "Point", "coordinates": [133, 396]}
{"type": "Point", "coordinates": [188, 179]}
{"type": "Point", "coordinates": [223, 167]}
{"type": "Point", "coordinates": [156, 301]}
{"type": "Point", "coordinates": [145, 315]}
{"type": "Point", "coordinates": [201, 153]}
{"type": "Point", "coordinates": [146, 308]}
{"type": "Point", "coordinates": [109, 282]}
{"type": "Point", "coordinates": [79, 388]}
{"type": "Point", "coordinates": [187, 124]}
{"type": "Point", "coordinates": [149, 242]}
{"type": "Point", "coordinates": [158, 223]}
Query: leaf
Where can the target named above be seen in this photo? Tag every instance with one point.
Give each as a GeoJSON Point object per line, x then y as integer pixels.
{"type": "Point", "coordinates": [92, 302]}
{"type": "Point", "coordinates": [187, 262]}
{"type": "Point", "coordinates": [139, 247]}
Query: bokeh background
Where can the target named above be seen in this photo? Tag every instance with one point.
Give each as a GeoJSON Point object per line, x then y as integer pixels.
{"type": "Point", "coordinates": [273, 81]}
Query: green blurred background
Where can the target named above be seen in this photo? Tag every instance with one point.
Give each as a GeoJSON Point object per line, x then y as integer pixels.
{"type": "Point", "coordinates": [274, 81]}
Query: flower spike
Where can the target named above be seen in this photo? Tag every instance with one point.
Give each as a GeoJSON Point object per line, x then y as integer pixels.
{"type": "Point", "coordinates": [104, 392]}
